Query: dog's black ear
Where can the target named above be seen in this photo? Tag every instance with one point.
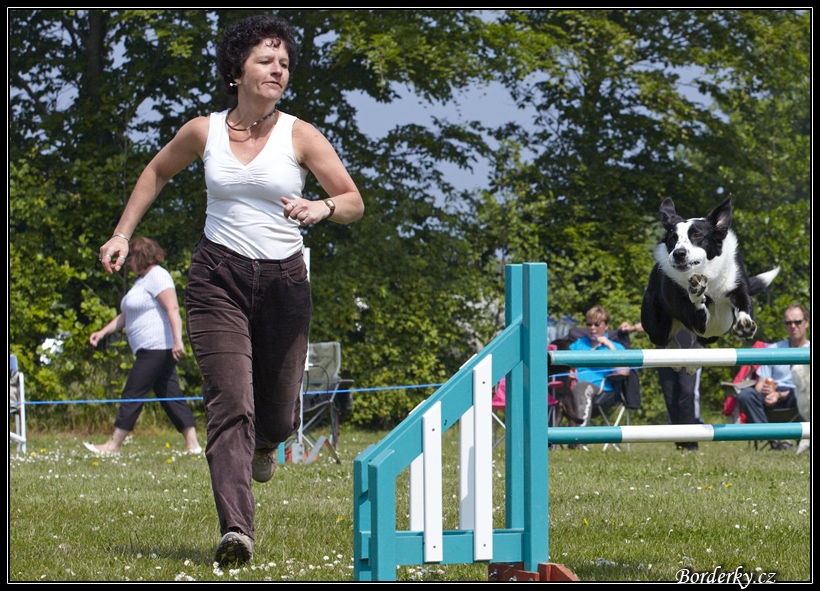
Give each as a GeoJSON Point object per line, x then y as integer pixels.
{"type": "Point", "coordinates": [668, 214]}
{"type": "Point", "coordinates": [721, 216]}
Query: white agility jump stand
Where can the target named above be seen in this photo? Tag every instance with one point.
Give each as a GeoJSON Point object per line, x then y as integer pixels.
{"type": "Point", "coordinates": [475, 476]}
{"type": "Point", "coordinates": [520, 551]}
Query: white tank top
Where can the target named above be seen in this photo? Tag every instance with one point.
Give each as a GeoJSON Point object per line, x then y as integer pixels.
{"type": "Point", "coordinates": [245, 211]}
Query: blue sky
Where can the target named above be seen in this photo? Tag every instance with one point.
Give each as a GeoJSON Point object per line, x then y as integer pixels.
{"type": "Point", "coordinates": [490, 104]}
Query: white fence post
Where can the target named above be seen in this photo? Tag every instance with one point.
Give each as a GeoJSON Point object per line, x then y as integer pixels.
{"type": "Point", "coordinates": [431, 444]}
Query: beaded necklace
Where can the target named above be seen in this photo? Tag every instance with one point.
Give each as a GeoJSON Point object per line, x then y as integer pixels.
{"type": "Point", "coordinates": [257, 122]}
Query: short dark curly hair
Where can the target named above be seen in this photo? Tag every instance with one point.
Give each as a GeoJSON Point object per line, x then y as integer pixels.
{"type": "Point", "coordinates": [242, 36]}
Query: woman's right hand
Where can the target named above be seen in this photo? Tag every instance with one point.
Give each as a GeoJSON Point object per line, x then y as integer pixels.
{"type": "Point", "coordinates": [117, 324]}
{"type": "Point", "coordinates": [113, 253]}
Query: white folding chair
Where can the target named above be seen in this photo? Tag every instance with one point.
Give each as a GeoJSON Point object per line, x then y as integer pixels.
{"type": "Point", "coordinates": [325, 398]}
{"type": "Point", "coordinates": [17, 404]}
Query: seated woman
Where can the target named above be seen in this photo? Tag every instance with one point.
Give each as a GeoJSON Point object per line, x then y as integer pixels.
{"type": "Point", "coordinates": [589, 379]}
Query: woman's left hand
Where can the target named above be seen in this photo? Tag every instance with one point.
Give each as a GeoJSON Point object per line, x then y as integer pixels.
{"type": "Point", "coordinates": [305, 211]}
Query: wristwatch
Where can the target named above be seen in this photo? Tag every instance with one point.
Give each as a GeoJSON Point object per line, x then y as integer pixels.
{"type": "Point", "coordinates": [332, 206]}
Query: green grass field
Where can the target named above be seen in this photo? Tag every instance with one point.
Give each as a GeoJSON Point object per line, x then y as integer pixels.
{"type": "Point", "coordinates": [638, 515]}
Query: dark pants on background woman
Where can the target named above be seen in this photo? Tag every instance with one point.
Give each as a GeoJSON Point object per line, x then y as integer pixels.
{"type": "Point", "coordinates": [157, 371]}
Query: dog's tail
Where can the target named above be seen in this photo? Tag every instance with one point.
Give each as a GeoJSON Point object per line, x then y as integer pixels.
{"type": "Point", "coordinates": [760, 282]}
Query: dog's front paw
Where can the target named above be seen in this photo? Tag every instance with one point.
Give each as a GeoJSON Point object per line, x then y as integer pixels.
{"type": "Point", "coordinates": [697, 287]}
{"type": "Point", "coordinates": [744, 328]}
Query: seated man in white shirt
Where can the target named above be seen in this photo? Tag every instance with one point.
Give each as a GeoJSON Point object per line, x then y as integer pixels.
{"type": "Point", "coordinates": [754, 400]}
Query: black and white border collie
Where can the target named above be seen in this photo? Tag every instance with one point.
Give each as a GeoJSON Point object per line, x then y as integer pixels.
{"type": "Point", "coordinates": [699, 282]}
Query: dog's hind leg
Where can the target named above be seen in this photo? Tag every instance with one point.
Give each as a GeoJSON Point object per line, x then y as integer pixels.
{"type": "Point", "coordinates": [692, 370]}
{"type": "Point", "coordinates": [676, 344]}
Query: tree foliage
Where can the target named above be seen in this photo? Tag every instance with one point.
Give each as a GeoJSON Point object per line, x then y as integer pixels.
{"type": "Point", "coordinates": [414, 288]}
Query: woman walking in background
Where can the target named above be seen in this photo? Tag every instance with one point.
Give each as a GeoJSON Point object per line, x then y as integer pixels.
{"type": "Point", "coordinates": [151, 320]}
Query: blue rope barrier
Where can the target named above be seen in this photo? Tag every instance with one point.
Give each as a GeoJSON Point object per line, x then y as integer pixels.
{"type": "Point", "coordinates": [312, 393]}
{"type": "Point", "coordinates": [195, 398]}
{"type": "Point", "coordinates": [94, 401]}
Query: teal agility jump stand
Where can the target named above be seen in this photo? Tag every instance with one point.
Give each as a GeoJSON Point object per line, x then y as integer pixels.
{"type": "Point", "coordinates": [519, 353]}
{"type": "Point", "coordinates": [520, 551]}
